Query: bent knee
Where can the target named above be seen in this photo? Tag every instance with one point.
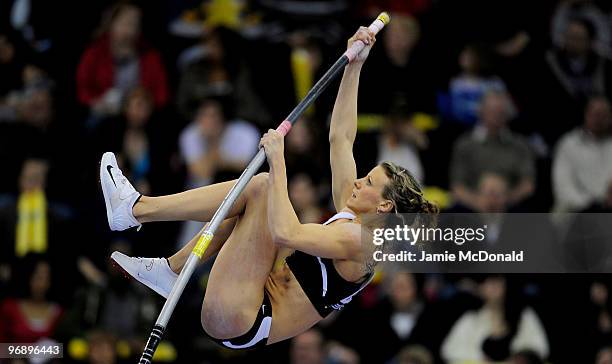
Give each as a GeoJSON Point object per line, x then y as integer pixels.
{"type": "Point", "coordinates": [258, 184]}
{"type": "Point", "coordinates": [222, 321]}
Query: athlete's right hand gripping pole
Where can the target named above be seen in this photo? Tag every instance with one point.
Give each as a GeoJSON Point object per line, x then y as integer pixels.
{"type": "Point", "coordinates": [254, 165]}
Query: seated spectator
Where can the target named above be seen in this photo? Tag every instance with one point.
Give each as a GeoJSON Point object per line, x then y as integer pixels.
{"type": "Point", "coordinates": [102, 348]}
{"type": "Point", "coordinates": [307, 348]}
{"type": "Point", "coordinates": [338, 353]}
{"type": "Point", "coordinates": [581, 168]}
{"type": "Point", "coordinates": [600, 322]}
{"type": "Point", "coordinates": [317, 16]}
{"type": "Point", "coordinates": [31, 317]}
{"type": "Point", "coordinates": [215, 68]}
{"type": "Point", "coordinates": [505, 231]}
{"type": "Point", "coordinates": [14, 58]}
{"type": "Point", "coordinates": [34, 21]}
{"type": "Point", "coordinates": [29, 222]}
{"type": "Point", "coordinates": [496, 330]}
{"type": "Point", "coordinates": [214, 149]}
{"type": "Point", "coordinates": [493, 194]}
{"type": "Point", "coordinates": [302, 149]}
{"type": "Point", "coordinates": [305, 198]}
{"type": "Point", "coordinates": [210, 144]}
{"type": "Point", "coordinates": [467, 89]}
{"type": "Point", "coordinates": [31, 130]}
{"type": "Point", "coordinates": [399, 319]}
{"type": "Point", "coordinates": [604, 356]}
{"type": "Point", "coordinates": [109, 302]}
{"type": "Point", "coordinates": [578, 69]}
{"type": "Point", "coordinates": [586, 9]}
{"type": "Point", "coordinates": [117, 61]}
{"type": "Point", "coordinates": [310, 347]}
{"type": "Point", "coordinates": [398, 71]}
{"type": "Point", "coordinates": [399, 143]}
{"type": "Point", "coordinates": [492, 147]}
{"type": "Point", "coordinates": [129, 136]}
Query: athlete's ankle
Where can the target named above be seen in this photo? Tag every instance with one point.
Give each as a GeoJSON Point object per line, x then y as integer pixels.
{"type": "Point", "coordinates": [175, 264]}
{"type": "Point", "coordinates": [140, 209]}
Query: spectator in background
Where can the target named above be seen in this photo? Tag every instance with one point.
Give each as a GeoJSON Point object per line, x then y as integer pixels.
{"type": "Point", "coordinates": [210, 144]}
{"type": "Point", "coordinates": [31, 317]}
{"type": "Point", "coordinates": [14, 58]}
{"type": "Point", "coordinates": [399, 72]}
{"type": "Point", "coordinates": [215, 68]}
{"type": "Point", "coordinates": [588, 10]}
{"type": "Point", "coordinates": [578, 69]}
{"type": "Point", "coordinates": [492, 147]}
{"type": "Point", "coordinates": [302, 149]}
{"type": "Point", "coordinates": [304, 196]}
{"type": "Point", "coordinates": [307, 348]}
{"type": "Point", "coordinates": [214, 149]}
{"type": "Point", "coordinates": [129, 136]}
{"type": "Point", "coordinates": [467, 89]}
{"type": "Point", "coordinates": [604, 356]}
{"type": "Point", "coordinates": [499, 328]}
{"type": "Point", "coordinates": [399, 143]}
{"type": "Point", "coordinates": [310, 348]}
{"type": "Point", "coordinates": [29, 222]}
{"type": "Point", "coordinates": [117, 61]}
{"type": "Point", "coordinates": [600, 321]}
{"type": "Point", "coordinates": [505, 231]}
{"type": "Point", "coordinates": [109, 302]}
{"type": "Point", "coordinates": [102, 348]}
{"type": "Point", "coordinates": [399, 319]}
{"type": "Point", "coordinates": [582, 168]}
{"type": "Point", "coordinates": [33, 20]}
{"type": "Point", "coordinates": [36, 106]}
{"type": "Point", "coordinates": [492, 194]}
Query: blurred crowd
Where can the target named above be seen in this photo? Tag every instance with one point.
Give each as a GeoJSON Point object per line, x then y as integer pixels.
{"type": "Point", "coordinates": [494, 106]}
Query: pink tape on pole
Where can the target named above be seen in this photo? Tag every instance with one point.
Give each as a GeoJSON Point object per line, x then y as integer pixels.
{"type": "Point", "coordinates": [284, 127]}
{"type": "Point", "coordinates": [352, 52]}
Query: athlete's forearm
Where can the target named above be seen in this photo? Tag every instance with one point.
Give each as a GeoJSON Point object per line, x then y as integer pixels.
{"type": "Point", "coordinates": [344, 116]}
{"type": "Point", "coordinates": [282, 219]}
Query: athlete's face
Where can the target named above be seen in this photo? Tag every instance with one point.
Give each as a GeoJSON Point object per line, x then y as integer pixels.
{"type": "Point", "coordinates": [366, 196]}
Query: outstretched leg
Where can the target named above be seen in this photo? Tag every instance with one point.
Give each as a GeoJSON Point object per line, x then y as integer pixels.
{"type": "Point", "coordinates": [125, 208]}
{"type": "Point", "coordinates": [198, 204]}
{"type": "Point", "coordinates": [160, 274]}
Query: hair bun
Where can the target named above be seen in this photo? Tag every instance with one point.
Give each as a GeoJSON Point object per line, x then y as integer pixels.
{"type": "Point", "coordinates": [429, 207]}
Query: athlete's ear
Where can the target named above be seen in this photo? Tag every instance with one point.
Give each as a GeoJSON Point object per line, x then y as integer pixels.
{"type": "Point", "coordinates": [385, 206]}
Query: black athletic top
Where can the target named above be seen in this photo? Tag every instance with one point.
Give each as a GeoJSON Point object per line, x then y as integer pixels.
{"type": "Point", "coordinates": [325, 288]}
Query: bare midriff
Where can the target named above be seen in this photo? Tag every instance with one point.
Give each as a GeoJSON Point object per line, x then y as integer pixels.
{"type": "Point", "coordinates": [292, 312]}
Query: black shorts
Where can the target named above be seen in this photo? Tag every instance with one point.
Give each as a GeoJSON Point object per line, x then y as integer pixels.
{"type": "Point", "coordinates": [257, 336]}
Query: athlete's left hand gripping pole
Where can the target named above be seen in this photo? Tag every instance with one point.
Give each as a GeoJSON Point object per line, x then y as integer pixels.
{"type": "Point", "coordinates": [222, 211]}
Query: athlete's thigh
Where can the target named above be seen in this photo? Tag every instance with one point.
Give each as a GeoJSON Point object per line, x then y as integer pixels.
{"type": "Point", "coordinates": [245, 261]}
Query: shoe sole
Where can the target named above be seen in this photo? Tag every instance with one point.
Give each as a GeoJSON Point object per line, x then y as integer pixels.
{"type": "Point", "coordinates": [117, 263]}
{"type": "Point", "coordinates": [109, 211]}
